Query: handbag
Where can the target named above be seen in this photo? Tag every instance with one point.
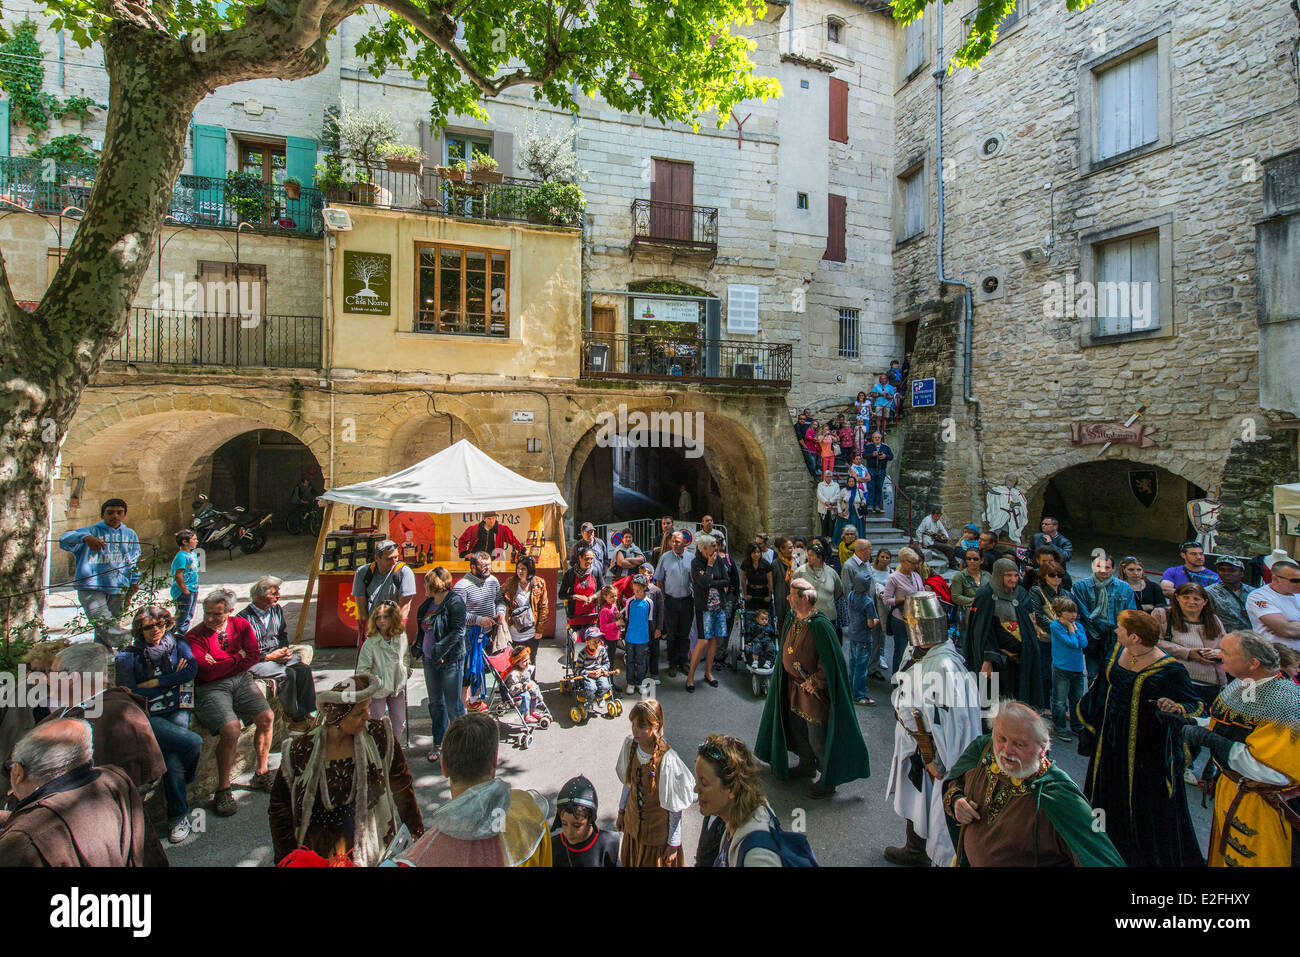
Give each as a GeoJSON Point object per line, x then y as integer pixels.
{"type": "Point", "coordinates": [499, 640]}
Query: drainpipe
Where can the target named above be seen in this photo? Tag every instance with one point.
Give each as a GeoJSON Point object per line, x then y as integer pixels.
{"type": "Point", "coordinates": [327, 346]}
{"type": "Point", "coordinates": [967, 305]}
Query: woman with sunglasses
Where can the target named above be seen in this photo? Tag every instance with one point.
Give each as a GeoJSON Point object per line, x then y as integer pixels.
{"type": "Point", "coordinates": [1049, 586]}
{"type": "Point", "coordinates": [160, 667]}
{"type": "Point", "coordinates": [727, 784]}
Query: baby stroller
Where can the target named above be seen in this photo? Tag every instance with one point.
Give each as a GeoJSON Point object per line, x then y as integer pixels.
{"type": "Point", "coordinates": [759, 655]}
{"type": "Point", "coordinates": [499, 701]}
{"type": "Point", "coordinates": [572, 682]}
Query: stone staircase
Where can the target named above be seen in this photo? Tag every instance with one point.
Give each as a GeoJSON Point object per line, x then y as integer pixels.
{"type": "Point", "coordinates": [882, 534]}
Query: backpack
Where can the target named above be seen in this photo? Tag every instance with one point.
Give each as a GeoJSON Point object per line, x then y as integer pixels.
{"type": "Point", "coordinates": [370, 575]}
{"type": "Point", "coordinates": [793, 849]}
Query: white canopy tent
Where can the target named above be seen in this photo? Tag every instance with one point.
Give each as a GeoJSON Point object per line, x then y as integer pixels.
{"type": "Point", "coordinates": [461, 478]}
{"type": "Point", "coordinates": [1286, 509]}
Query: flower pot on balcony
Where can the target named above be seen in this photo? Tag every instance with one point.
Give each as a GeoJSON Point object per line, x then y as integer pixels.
{"type": "Point", "coordinates": [486, 176]}
{"type": "Point", "coordinates": [292, 190]}
{"type": "Point", "coordinates": [451, 175]}
{"type": "Point", "coordinates": [397, 164]}
{"type": "Point", "coordinates": [365, 194]}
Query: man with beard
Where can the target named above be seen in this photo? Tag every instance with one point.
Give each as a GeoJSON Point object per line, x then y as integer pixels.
{"type": "Point", "coordinates": [937, 708]}
{"type": "Point", "coordinates": [1008, 805]}
{"type": "Point", "coordinates": [1253, 734]}
{"type": "Point", "coordinates": [1001, 638]}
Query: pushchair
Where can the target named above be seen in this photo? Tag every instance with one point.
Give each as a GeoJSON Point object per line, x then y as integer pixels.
{"type": "Point", "coordinates": [759, 655]}
{"type": "Point", "coordinates": [572, 682]}
{"type": "Point", "coordinates": [500, 701]}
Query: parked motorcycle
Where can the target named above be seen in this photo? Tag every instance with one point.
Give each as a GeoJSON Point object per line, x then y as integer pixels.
{"type": "Point", "coordinates": [239, 528]}
{"type": "Point", "coordinates": [304, 518]}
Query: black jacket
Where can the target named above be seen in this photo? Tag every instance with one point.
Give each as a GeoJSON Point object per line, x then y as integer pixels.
{"type": "Point", "coordinates": [703, 578]}
{"type": "Point", "coordinates": [447, 622]}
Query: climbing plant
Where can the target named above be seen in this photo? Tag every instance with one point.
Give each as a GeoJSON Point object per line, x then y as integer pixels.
{"type": "Point", "coordinates": [22, 76]}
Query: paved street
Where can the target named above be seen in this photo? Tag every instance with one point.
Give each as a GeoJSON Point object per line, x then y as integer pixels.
{"type": "Point", "coordinates": [849, 829]}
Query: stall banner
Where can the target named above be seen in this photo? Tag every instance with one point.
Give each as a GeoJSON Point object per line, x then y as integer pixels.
{"type": "Point", "coordinates": [518, 521]}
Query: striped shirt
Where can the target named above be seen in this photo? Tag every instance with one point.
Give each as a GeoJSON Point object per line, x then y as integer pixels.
{"type": "Point", "coordinates": [592, 661]}
{"type": "Point", "coordinates": [483, 597]}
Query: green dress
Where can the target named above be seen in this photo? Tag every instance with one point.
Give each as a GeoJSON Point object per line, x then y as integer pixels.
{"type": "Point", "coordinates": [846, 751]}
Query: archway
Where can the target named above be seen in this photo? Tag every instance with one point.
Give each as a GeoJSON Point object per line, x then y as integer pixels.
{"type": "Point", "coordinates": [421, 436]}
{"type": "Point", "coordinates": [258, 470]}
{"type": "Point", "coordinates": [1123, 506]}
{"type": "Point", "coordinates": [719, 460]}
{"type": "Point", "coordinates": [159, 461]}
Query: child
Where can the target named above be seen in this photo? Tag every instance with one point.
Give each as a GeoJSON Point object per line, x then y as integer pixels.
{"type": "Point", "coordinates": [1069, 673]}
{"type": "Point", "coordinates": [607, 618]}
{"type": "Point", "coordinates": [521, 685]}
{"type": "Point", "coordinates": [576, 840]}
{"type": "Point", "coordinates": [384, 656]}
{"type": "Point", "coordinates": [639, 613]}
{"type": "Point", "coordinates": [657, 787]}
{"type": "Point", "coordinates": [185, 579]}
{"type": "Point", "coordinates": [826, 445]}
{"type": "Point", "coordinates": [1289, 661]}
{"type": "Point", "coordinates": [593, 664]}
{"type": "Point", "coordinates": [760, 641]}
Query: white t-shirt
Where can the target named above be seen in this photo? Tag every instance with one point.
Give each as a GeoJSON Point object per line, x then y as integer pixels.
{"type": "Point", "coordinates": [1265, 601]}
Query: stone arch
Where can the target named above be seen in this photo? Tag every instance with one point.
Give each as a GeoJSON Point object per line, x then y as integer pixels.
{"type": "Point", "coordinates": [151, 450]}
{"type": "Point", "coordinates": [1078, 479]}
{"type": "Point", "coordinates": [732, 454]}
{"type": "Point", "coordinates": [422, 425]}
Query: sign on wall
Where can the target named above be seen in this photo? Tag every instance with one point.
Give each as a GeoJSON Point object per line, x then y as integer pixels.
{"type": "Point", "coordinates": [922, 393]}
{"type": "Point", "coordinates": [667, 310]}
{"type": "Point", "coordinates": [367, 283]}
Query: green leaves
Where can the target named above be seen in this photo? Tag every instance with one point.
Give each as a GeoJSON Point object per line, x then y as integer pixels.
{"type": "Point", "coordinates": [983, 25]}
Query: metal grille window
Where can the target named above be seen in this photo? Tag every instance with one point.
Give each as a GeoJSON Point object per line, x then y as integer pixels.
{"type": "Point", "coordinates": [848, 333]}
{"type": "Point", "coordinates": [462, 290]}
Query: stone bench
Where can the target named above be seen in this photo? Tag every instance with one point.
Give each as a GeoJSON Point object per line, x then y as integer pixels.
{"type": "Point", "coordinates": [199, 793]}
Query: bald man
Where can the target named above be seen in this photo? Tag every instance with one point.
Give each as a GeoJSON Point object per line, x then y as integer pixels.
{"type": "Point", "coordinates": [69, 813]}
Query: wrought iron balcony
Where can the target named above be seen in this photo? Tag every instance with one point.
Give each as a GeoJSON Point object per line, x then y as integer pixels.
{"type": "Point", "coordinates": [608, 355]}
{"type": "Point", "coordinates": [210, 339]}
{"type": "Point", "coordinates": [676, 225]}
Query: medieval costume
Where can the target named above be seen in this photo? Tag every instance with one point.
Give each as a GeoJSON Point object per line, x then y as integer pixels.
{"type": "Point", "coordinates": [494, 540]}
{"type": "Point", "coordinates": [487, 825]}
{"type": "Point", "coordinates": [599, 850]}
{"type": "Point", "coordinates": [657, 788]}
{"type": "Point", "coordinates": [937, 709]}
{"type": "Point", "coordinates": [1135, 772]}
{"type": "Point", "coordinates": [87, 817]}
{"type": "Point", "coordinates": [1001, 632]}
{"type": "Point", "coordinates": [820, 727]}
{"type": "Point", "coordinates": [1254, 735]}
{"type": "Point", "coordinates": [1040, 821]}
{"type": "Point", "coordinates": [356, 803]}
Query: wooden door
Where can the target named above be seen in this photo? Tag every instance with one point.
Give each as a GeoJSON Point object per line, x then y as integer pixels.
{"type": "Point", "coordinates": [603, 319]}
{"type": "Point", "coordinates": [673, 182]}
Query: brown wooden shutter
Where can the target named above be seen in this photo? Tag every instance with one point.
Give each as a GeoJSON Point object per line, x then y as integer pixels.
{"type": "Point", "coordinates": [836, 214]}
{"type": "Point", "coordinates": [673, 182]}
{"type": "Point", "coordinates": [839, 106]}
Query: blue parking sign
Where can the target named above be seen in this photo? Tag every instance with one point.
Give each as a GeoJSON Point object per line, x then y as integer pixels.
{"type": "Point", "coordinates": [922, 392]}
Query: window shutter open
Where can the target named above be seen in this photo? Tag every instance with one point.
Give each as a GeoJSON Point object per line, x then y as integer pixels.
{"type": "Point", "coordinates": [210, 151]}
{"type": "Point", "coordinates": [839, 104]}
{"type": "Point", "coordinates": [4, 127]}
{"type": "Point", "coordinates": [503, 151]}
{"type": "Point", "coordinates": [836, 212]}
{"type": "Point", "coordinates": [300, 159]}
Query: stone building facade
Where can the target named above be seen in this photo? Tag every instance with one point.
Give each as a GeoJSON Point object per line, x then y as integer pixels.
{"type": "Point", "coordinates": [1122, 136]}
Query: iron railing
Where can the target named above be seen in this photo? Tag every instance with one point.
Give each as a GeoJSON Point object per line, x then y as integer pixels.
{"type": "Point", "coordinates": [679, 225]}
{"type": "Point", "coordinates": [608, 355]}
{"type": "Point", "coordinates": [208, 339]}
{"type": "Point", "coordinates": [512, 199]}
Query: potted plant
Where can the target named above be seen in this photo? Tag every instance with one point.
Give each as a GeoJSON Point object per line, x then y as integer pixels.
{"type": "Point", "coordinates": [246, 193]}
{"type": "Point", "coordinates": [556, 204]}
{"type": "Point", "coordinates": [484, 169]}
{"type": "Point", "coordinates": [361, 134]}
{"type": "Point", "coordinates": [400, 158]}
{"type": "Point", "coordinates": [292, 187]}
{"type": "Point", "coordinates": [364, 190]}
{"type": "Point", "coordinates": [455, 173]}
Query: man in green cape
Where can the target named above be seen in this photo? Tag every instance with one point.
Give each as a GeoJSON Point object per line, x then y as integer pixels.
{"type": "Point", "coordinates": [808, 709]}
{"type": "Point", "coordinates": [1008, 805]}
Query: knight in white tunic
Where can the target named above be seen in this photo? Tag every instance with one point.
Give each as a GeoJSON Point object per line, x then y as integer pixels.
{"type": "Point", "coordinates": [937, 709]}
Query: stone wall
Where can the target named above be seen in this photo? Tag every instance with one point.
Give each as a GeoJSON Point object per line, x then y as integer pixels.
{"type": "Point", "coordinates": [1231, 103]}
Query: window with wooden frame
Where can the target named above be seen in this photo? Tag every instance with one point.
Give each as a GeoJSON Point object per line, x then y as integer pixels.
{"type": "Point", "coordinates": [266, 158]}
{"type": "Point", "coordinates": [462, 290]}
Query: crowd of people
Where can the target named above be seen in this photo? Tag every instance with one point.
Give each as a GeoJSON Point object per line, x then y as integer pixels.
{"type": "Point", "coordinates": [833, 442]}
{"type": "Point", "coordinates": [1147, 675]}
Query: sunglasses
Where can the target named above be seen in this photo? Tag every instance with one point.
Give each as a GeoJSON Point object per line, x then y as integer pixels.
{"type": "Point", "coordinates": [1186, 545]}
{"type": "Point", "coordinates": [711, 752]}
{"type": "Point", "coordinates": [1282, 578]}
{"type": "Point", "coordinates": [152, 626]}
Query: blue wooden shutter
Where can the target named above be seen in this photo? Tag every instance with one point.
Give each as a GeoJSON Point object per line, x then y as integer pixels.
{"type": "Point", "coordinates": [300, 159]}
{"type": "Point", "coordinates": [210, 151]}
{"type": "Point", "coordinates": [4, 127]}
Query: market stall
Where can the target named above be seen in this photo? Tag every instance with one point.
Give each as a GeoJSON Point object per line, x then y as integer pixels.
{"type": "Point", "coordinates": [425, 508]}
{"type": "Point", "coordinates": [1286, 517]}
